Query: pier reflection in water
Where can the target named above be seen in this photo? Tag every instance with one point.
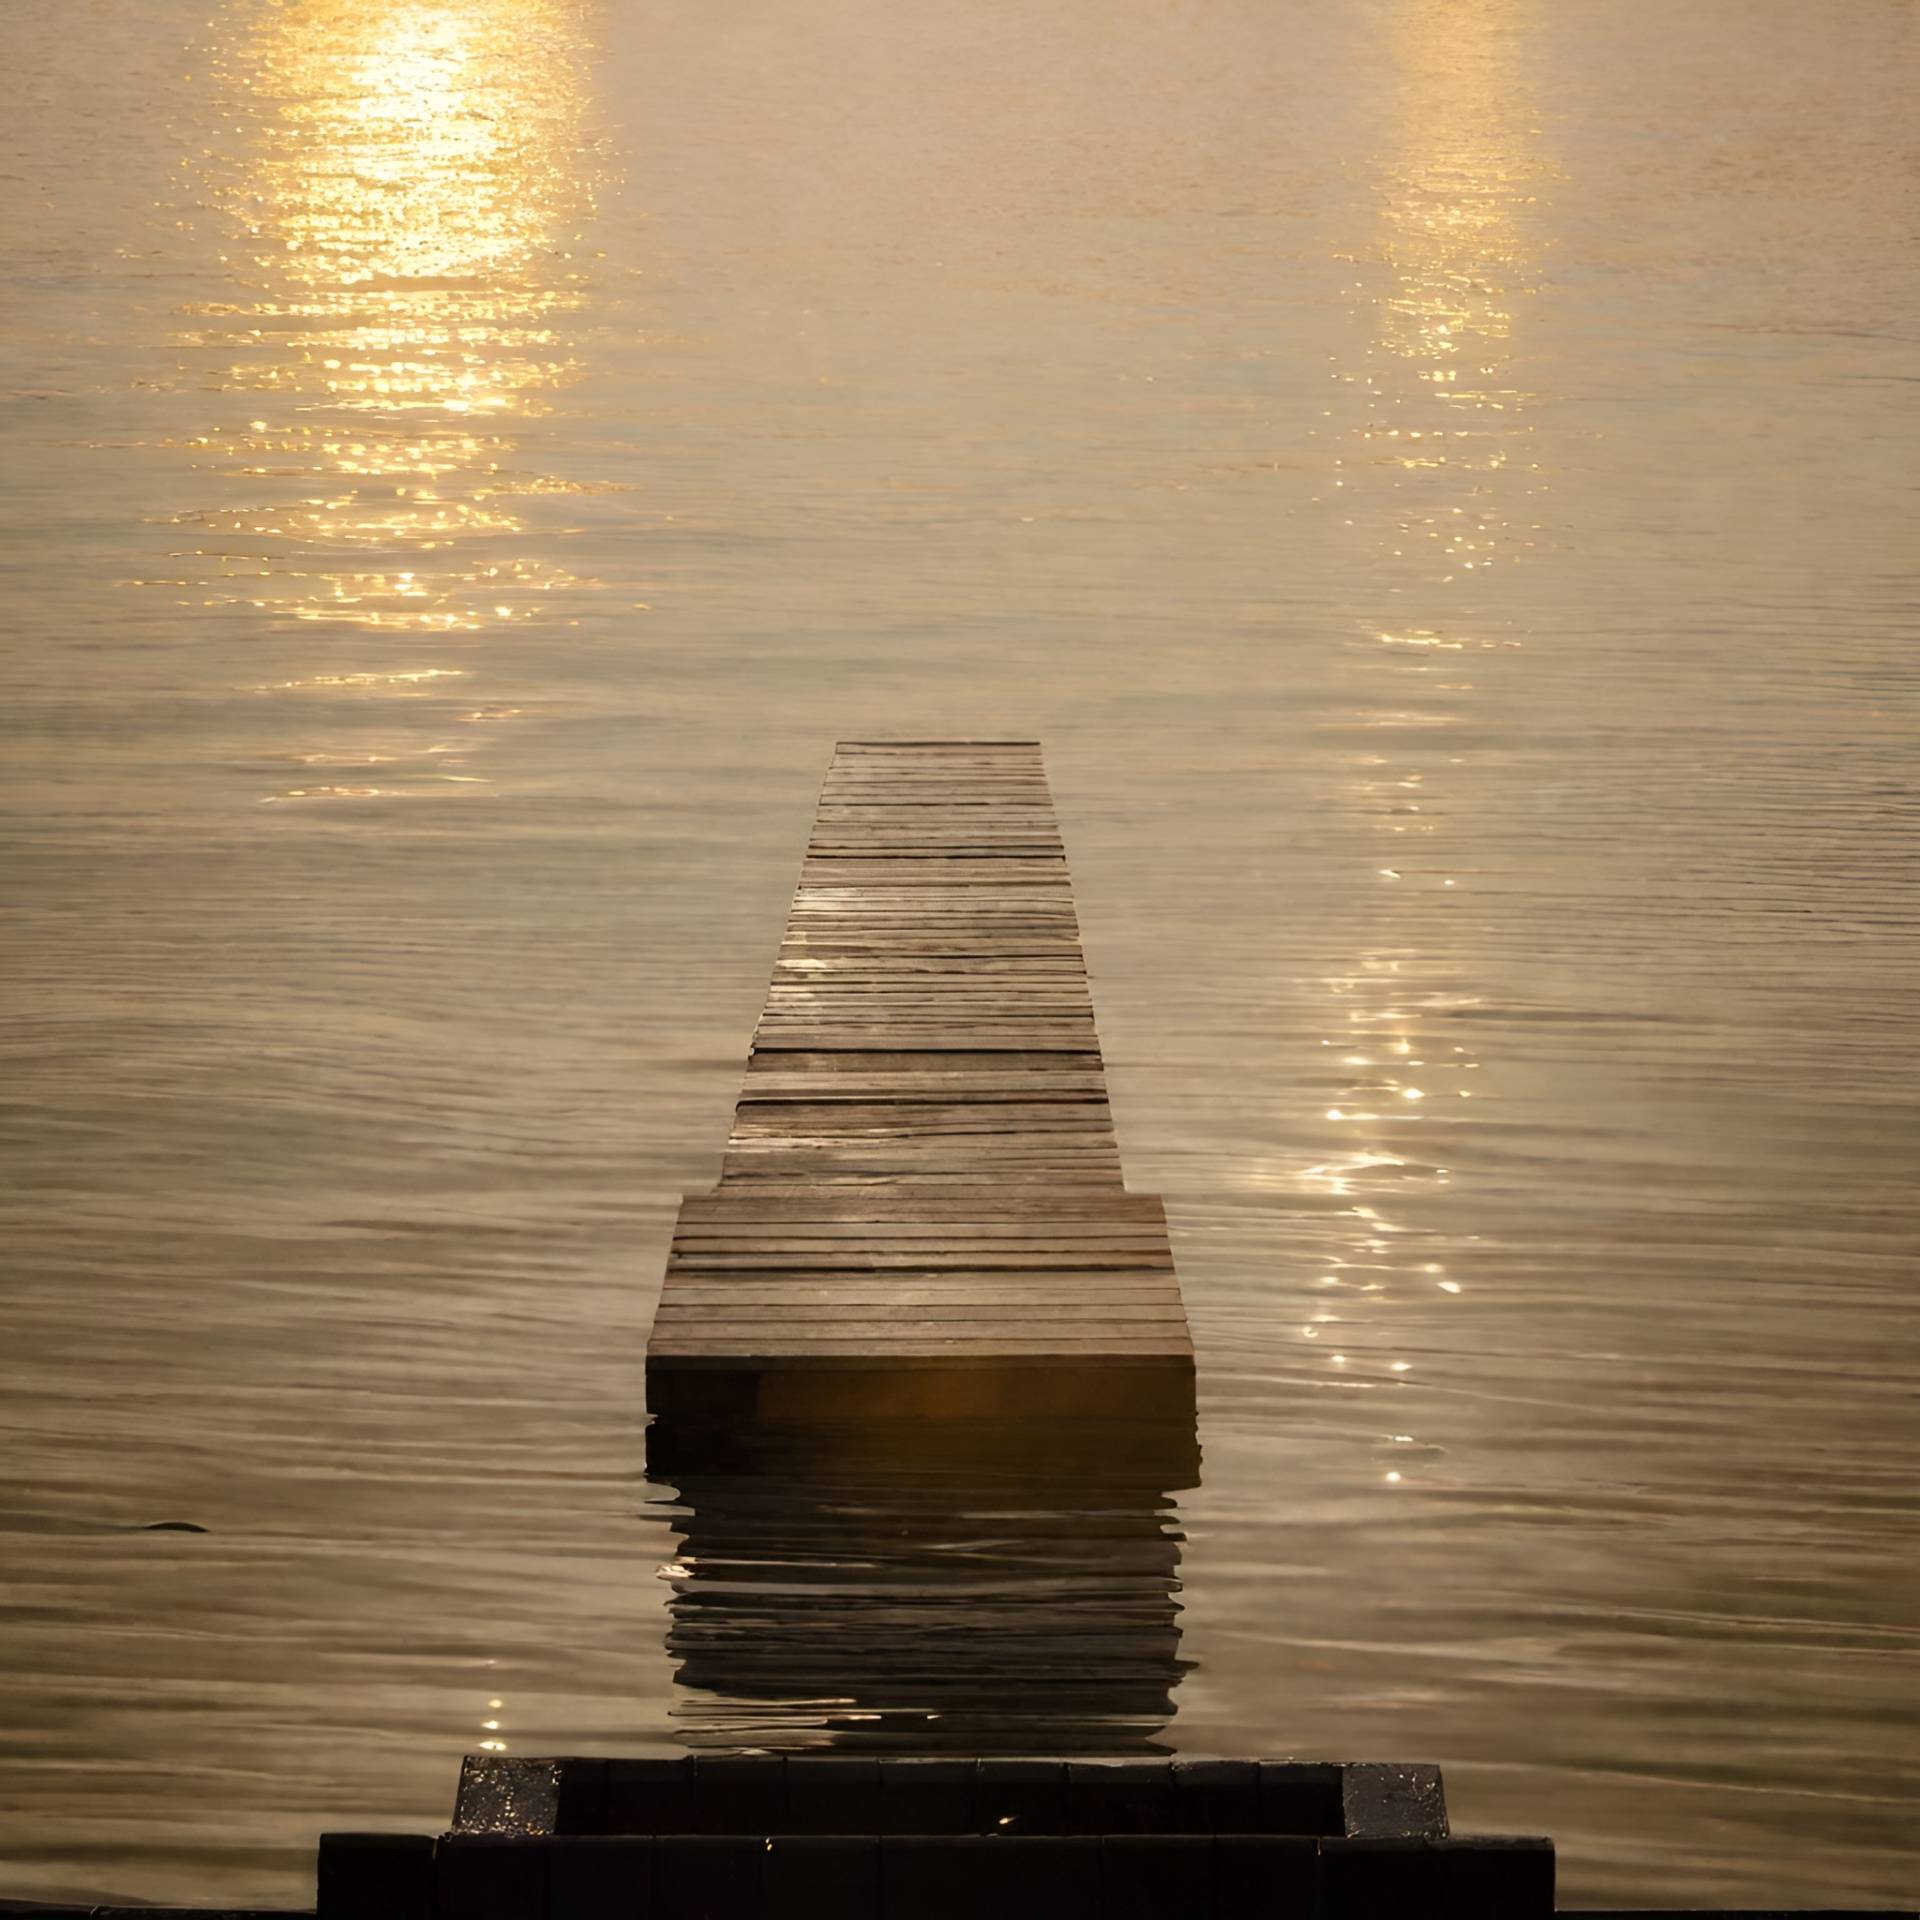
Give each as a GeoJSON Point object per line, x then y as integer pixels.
{"type": "Point", "coordinates": [987, 1589]}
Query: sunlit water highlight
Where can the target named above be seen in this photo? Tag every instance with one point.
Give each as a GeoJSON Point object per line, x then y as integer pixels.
{"type": "Point", "coordinates": [1439, 478]}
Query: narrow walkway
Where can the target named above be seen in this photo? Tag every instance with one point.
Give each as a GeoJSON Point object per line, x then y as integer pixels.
{"type": "Point", "coordinates": [921, 1207]}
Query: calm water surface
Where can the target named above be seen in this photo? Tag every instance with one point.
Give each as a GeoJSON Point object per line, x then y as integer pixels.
{"type": "Point", "coordinates": [1440, 480]}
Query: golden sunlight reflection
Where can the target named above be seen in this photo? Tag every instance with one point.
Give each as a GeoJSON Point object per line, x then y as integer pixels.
{"type": "Point", "coordinates": [400, 214]}
{"type": "Point", "coordinates": [491, 1728]}
{"type": "Point", "coordinates": [406, 234]}
{"type": "Point", "coordinates": [1438, 476]}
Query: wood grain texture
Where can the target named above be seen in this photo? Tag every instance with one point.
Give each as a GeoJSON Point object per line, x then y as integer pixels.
{"type": "Point", "coordinates": [922, 1172]}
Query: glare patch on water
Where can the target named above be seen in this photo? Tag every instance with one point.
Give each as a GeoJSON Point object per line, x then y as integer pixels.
{"type": "Point", "coordinates": [1436, 453]}
{"type": "Point", "coordinates": [399, 220]}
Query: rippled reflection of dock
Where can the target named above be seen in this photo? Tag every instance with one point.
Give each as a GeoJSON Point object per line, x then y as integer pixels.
{"type": "Point", "coordinates": [985, 1588]}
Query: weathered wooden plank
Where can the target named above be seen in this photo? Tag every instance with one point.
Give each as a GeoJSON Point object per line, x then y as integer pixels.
{"type": "Point", "coordinates": [842, 1016]}
{"type": "Point", "coordinates": [987, 1346]}
{"type": "Point", "coordinates": [773, 1081]}
{"type": "Point", "coordinates": [1130, 1264]}
{"type": "Point", "coordinates": [774, 1225]}
{"type": "Point", "coordinates": [965, 1210]}
{"type": "Point", "coordinates": [830, 1168]}
{"type": "Point", "coordinates": [959, 1310]}
{"type": "Point", "coordinates": [1067, 1290]}
{"type": "Point", "coordinates": [1004, 1036]}
{"type": "Point", "coordinates": [1032, 1183]}
{"type": "Point", "coordinates": [954, 988]}
{"type": "Point", "coordinates": [1046, 1029]}
{"type": "Point", "coordinates": [950, 1140]}
{"type": "Point", "coordinates": [930, 1111]}
{"type": "Point", "coordinates": [796, 1004]}
{"type": "Point", "coordinates": [800, 1235]}
{"type": "Point", "coordinates": [1011, 971]}
{"type": "Point", "coordinates": [1009, 1150]}
{"type": "Point", "coordinates": [947, 1131]}
{"type": "Point", "coordinates": [1035, 1150]}
{"type": "Point", "coordinates": [969, 1260]}
{"type": "Point", "coordinates": [1047, 1072]}
{"type": "Point", "coordinates": [922, 1179]}
{"type": "Point", "coordinates": [769, 1086]}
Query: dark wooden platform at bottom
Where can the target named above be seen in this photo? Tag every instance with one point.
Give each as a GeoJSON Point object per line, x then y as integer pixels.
{"type": "Point", "coordinates": [771, 1837]}
{"type": "Point", "coordinates": [830, 1836]}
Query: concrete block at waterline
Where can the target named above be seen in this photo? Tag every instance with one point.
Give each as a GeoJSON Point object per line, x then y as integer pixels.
{"type": "Point", "coordinates": [830, 1794]}
{"type": "Point", "coordinates": [1266, 1876]}
{"type": "Point", "coordinates": [376, 1876]}
{"type": "Point", "coordinates": [1388, 1802]}
{"type": "Point", "coordinates": [708, 1876]}
{"type": "Point", "coordinates": [739, 1793]}
{"type": "Point", "coordinates": [600, 1877]}
{"type": "Point", "coordinates": [968, 1876]}
{"type": "Point", "coordinates": [1496, 1879]}
{"type": "Point", "coordinates": [489, 1876]}
{"type": "Point", "coordinates": [809, 1875]}
{"type": "Point", "coordinates": [1152, 1876]}
{"type": "Point", "coordinates": [645, 1796]}
{"type": "Point", "coordinates": [1020, 1796]}
{"type": "Point", "coordinates": [1362, 1877]}
{"type": "Point", "coordinates": [927, 1796]}
{"type": "Point", "coordinates": [580, 1797]}
{"type": "Point", "coordinates": [1215, 1796]}
{"type": "Point", "coordinates": [1119, 1796]}
{"type": "Point", "coordinates": [1299, 1797]}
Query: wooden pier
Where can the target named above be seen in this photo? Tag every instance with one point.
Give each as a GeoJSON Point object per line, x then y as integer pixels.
{"type": "Point", "coordinates": [921, 1208]}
